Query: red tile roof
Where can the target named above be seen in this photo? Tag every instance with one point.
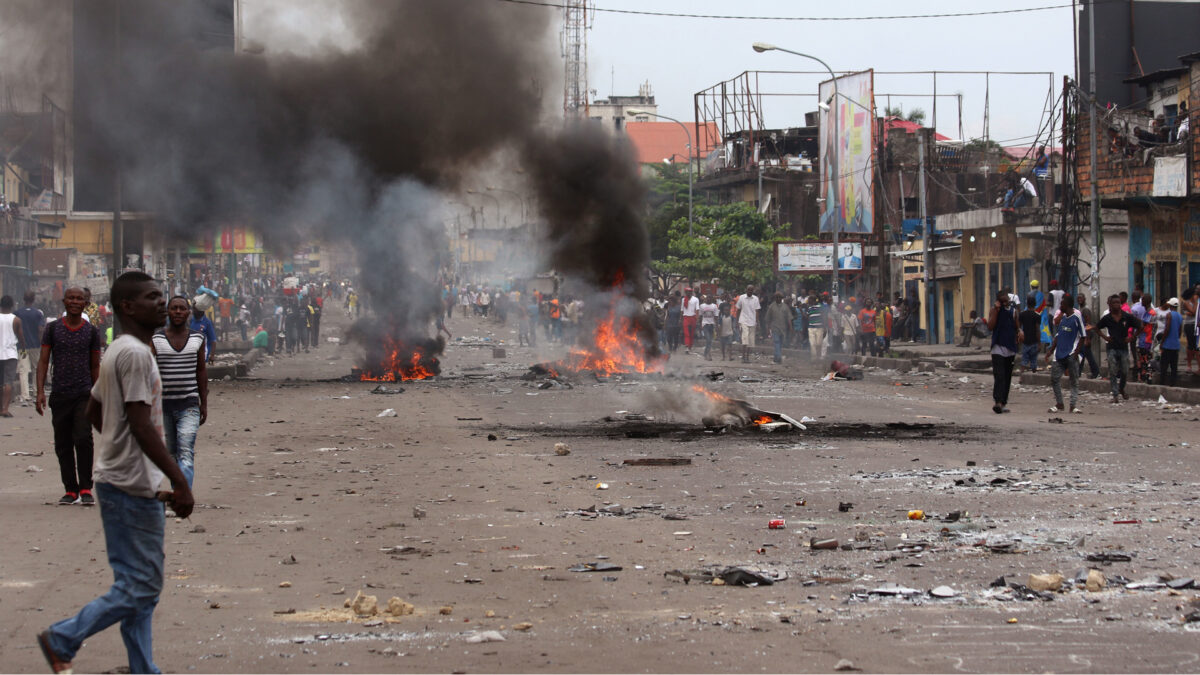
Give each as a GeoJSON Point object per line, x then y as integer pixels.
{"type": "Point", "coordinates": [899, 124]}
{"type": "Point", "coordinates": [1020, 152]}
{"type": "Point", "coordinates": [657, 141]}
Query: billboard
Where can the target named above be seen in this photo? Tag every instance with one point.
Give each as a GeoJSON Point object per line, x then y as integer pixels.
{"type": "Point", "coordinates": [848, 160]}
{"type": "Point", "coordinates": [229, 240]}
{"type": "Point", "coordinates": [809, 257]}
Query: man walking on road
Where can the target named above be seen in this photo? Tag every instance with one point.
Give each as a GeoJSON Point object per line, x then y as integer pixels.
{"type": "Point", "coordinates": [747, 307]}
{"type": "Point", "coordinates": [125, 406]}
{"type": "Point", "coordinates": [1031, 327]}
{"type": "Point", "coordinates": [11, 344]}
{"type": "Point", "coordinates": [32, 323]}
{"type": "Point", "coordinates": [817, 313]}
{"type": "Point", "coordinates": [1122, 329]}
{"type": "Point", "coordinates": [73, 345]}
{"type": "Point", "coordinates": [779, 321]}
{"type": "Point", "coordinates": [1006, 333]}
{"type": "Point", "coordinates": [1064, 354]}
{"type": "Point", "coordinates": [1089, 340]}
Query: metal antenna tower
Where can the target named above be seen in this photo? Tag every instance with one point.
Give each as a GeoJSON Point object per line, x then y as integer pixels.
{"type": "Point", "coordinates": [576, 18]}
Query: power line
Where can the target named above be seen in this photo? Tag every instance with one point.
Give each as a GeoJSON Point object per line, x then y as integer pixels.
{"type": "Point", "coordinates": [683, 15]}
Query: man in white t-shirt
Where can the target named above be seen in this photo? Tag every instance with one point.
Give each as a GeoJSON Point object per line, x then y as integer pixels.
{"type": "Point", "coordinates": [131, 461]}
{"type": "Point", "coordinates": [708, 324]}
{"type": "Point", "coordinates": [747, 307]}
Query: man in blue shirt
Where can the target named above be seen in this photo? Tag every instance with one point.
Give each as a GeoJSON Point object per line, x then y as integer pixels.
{"type": "Point", "coordinates": [1064, 350]}
{"type": "Point", "coordinates": [1172, 326]}
{"type": "Point", "coordinates": [204, 325]}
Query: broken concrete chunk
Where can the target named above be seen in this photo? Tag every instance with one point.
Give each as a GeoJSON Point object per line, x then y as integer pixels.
{"type": "Point", "coordinates": [523, 626]}
{"type": "Point", "coordinates": [1045, 582]}
{"type": "Point", "coordinates": [1096, 581]}
{"type": "Point", "coordinates": [398, 607]}
{"type": "Point", "coordinates": [562, 449]}
{"type": "Point", "coordinates": [364, 605]}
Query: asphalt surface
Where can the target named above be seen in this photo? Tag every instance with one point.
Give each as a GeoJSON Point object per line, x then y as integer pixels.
{"type": "Point", "coordinates": [307, 497]}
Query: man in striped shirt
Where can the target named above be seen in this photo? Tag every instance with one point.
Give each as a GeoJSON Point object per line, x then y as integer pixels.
{"type": "Point", "coordinates": [181, 356]}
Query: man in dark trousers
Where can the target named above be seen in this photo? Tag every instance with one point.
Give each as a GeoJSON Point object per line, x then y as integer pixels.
{"type": "Point", "coordinates": [125, 406]}
{"type": "Point", "coordinates": [1118, 329]}
{"type": "Point", "coordinates": [73, 344]}
{"type": "Point", "coordinates": [1006, 333]}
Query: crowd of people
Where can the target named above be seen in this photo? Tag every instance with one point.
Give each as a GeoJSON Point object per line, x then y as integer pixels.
{"type": "Point", "coordinates": [808, 320]}
{"type": "Point", "coordinates": [1141, 339]}
{"type": "Point", "coordinates": [144, 395]}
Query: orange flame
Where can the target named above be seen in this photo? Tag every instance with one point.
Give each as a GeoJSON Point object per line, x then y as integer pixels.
{"type": "Point", "coordinates": [615, 349]}
{"type": "Point", "coordinates": [616, 345]}
{"type": "Point", "coordinates": [711, 394]}
{"type": "Point", "coordinates": [762, 419]}
{"type": "Point", "coordinates": [400, 366]}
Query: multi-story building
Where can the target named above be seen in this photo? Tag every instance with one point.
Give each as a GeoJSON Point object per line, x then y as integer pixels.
{"type": "Point", "coordinates": [612, 112]}
{"type": "Point", "coordinates": [1147, 172]}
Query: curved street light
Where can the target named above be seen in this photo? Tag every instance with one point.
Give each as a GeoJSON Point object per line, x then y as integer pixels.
{"type": "Point", "coordinates": [761, 47]}
{"type": "Point", "coordinates": [691, 152]}
{"type": "Point", "coordinates": [492, 188]}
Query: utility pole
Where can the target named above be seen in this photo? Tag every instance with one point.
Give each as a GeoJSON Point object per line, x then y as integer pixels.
{"type": "Point", "coordinates": [903, 215]}
{"type": "Point", "coordinates": [930, 283]}
{"type": "Point", "coordinates": [118, 259]}
{"type": "Point", "coordinates": [1094, 176]}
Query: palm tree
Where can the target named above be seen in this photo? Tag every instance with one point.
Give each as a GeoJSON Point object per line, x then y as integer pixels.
{"type": "Point", "coordinates": [916, 115]}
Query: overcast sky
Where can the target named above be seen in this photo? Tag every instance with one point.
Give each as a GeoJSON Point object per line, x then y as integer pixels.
{"type": "Point", "coordinates": [680, 56]}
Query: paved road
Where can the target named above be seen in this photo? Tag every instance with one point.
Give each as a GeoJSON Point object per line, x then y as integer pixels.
{"type": "Point", "coordinates": [302, 484]}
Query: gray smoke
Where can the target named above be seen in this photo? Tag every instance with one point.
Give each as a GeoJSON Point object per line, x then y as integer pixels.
{"type": "Point", "coordinates": [355, 141]}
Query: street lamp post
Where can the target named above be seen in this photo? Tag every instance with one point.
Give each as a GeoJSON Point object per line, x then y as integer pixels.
{"type": "Point", "coordinates": [691, 152]}
{"type": "Point", "coordinates": [837, 223]}
{"type": "Point", "coordinates": [492, 188]}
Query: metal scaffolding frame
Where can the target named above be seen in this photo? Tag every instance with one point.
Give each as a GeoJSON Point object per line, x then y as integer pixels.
{"type": "Point", "coordinates": [736, 105]}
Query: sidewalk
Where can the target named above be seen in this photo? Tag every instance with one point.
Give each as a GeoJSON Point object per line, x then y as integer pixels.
{"type": "Point", "coordinates": [921, 357]}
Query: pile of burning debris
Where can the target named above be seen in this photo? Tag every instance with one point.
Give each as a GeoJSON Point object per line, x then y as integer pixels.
{"type": "Point", "coordinates": [623, 342]}
{"type": "Point", "coordinates": [729, 413]}
{"type": "Point", "coordinates": [392, 354]}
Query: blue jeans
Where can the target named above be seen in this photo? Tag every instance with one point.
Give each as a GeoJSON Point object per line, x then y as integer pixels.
{"type": "Point", "coordinates": [777, 337]}
{"type": "Point", "coordinates": [1029, 355]}
{"type": "Point", "coordinates": [708, 331]}
{"type": "Point", "coordinates": [133, 534]}
{"type": "Point", "coordinates": [180, 426]}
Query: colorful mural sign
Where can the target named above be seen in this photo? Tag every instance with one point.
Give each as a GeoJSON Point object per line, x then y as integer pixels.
{"type": "Point", "coordinates": [848, 160]}
{"type": "Point", "coordinates": [229, 240]}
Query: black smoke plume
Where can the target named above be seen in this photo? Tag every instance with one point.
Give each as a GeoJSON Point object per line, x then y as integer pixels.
{"type": "Point", "coordinates": [351, 142]}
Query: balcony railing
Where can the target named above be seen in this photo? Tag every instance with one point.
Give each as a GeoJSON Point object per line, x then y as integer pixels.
{"type": "Point", "coordinates": [18, 231]}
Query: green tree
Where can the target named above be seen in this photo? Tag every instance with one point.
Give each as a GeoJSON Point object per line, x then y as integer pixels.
{"type": "Point", "coordinates": [916, 115]}
{"type": "Point", "coordinates": [733, 243]}
{"type": "Point", "coordinates": [667, 201]}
